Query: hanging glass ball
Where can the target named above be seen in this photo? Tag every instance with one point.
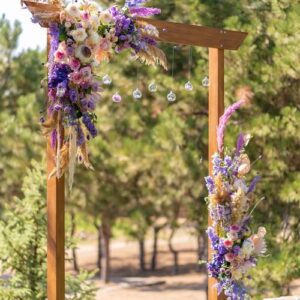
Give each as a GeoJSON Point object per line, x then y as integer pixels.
{"type": "Point", "coordinates": [171, 96]}
{"type": "Point", "coordinates": [188, 86]}
{"type": "Point", "coordinates": [205, 81]}
{"type": "Point", "coordinates": [137, 94]}
{"type": "Point", "coordinates": [116, 98]}
{"type": "Point", "coordinates": [152, 87]}
{"type": "Point", "coordinates": [106, 80]}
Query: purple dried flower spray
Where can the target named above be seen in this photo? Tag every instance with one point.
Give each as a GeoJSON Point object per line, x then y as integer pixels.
{"type": "Point", "coordinates": [224, 120]}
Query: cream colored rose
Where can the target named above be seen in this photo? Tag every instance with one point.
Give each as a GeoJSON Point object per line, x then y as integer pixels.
{"type": "Point", "coordinates": [73, 10]}
{"type": "Point", "coordinates": [93, 7]}
{"type": "Point", "coordinates": [94, 38]}
{"type": "Point", "coordinates": [94, 21]}
{"type": "Point", "coordinates": [79, 35]}
{"type": "Point", "coordinates": [105, 17]}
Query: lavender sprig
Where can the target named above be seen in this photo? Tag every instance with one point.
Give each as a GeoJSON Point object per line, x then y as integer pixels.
{"type": "Point", "coordinates": [144, 11]}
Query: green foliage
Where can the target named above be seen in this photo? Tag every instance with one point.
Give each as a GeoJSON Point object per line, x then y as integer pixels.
{"type": "Point", "coordinates": [275, 272]}
{"type": "Point", "coordinates": [151, 156]}
{"type": "Point", "coordinates": [80, 286]}
{"type": "Point", "coordinates": [23, 246]}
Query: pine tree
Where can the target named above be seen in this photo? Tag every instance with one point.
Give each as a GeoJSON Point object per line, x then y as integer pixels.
{"type": "Point", "coordinates": [23, 246]}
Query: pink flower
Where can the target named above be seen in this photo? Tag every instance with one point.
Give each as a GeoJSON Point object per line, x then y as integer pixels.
{"type": "Point", "coordinates": [60, 55]}
{"type": "Point", "coordinates": [85, 16]}
{"type": "Point", "coordinates": [86, 73]}
{"type": "Point", "coordinates": [228, 243]}
{"type": "Point", "coordinates": [105, 44]}
{"type": "Point", "coordinates": [229, 257]}
{"type": "Point", "coordinates": [76, 77]}
{"type": "Point", "coordinates": [235, 228]}
{"type": "Point", "coordinates": [75, 64]}
{"type": "Point", "coordinates": [259, 243]}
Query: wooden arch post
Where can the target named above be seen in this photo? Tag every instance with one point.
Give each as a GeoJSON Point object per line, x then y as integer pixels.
{"type": "Point", "coordinates": [217, 40]}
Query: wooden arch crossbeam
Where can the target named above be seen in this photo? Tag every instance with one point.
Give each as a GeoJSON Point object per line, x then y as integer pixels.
{"type": "Point", "coordinates": [217, 40]}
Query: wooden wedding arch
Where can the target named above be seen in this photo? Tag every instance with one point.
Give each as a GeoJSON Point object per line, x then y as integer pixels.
{"type": "Point", "coordinates": [217, 40]}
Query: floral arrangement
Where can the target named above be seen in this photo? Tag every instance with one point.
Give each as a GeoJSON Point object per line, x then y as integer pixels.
{"type": "Point", "coordinates": [82, 36]}
{"type": "Point", "coordinates": [231, 202]}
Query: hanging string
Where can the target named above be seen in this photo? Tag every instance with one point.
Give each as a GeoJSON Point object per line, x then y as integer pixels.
{"type": "Point", "coordinates": [173, 60]}
{"type": "Point", "coordinates": [190, 62]}
{"type": "Point", "coordinates": [171, 97]}
{"type": "Point", "coordinates": [188, 85]}
{"type": "Point", "coordinates": [137, 94]}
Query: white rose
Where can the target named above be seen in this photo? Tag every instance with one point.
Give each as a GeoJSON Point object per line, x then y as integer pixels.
{"type": "Point", "coordinates": [73, 10]}
{"type": "Point", "coordinates": [94, 21]}
{"type": "Point", "coordinates": [79, 34]}
{"type": "Point", "coordinates": [105, 17]}
{"type": "Point", "coordinates": [93, 6]}
{"type": "Point", "coordinates": [94, 37]}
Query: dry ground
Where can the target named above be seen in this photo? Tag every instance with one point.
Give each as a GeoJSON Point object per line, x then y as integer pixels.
{"type": "Point", "coordinates": [127, 283]}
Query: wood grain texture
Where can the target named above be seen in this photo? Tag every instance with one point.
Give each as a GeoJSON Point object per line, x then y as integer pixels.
{"type": "Point", "coordinates": [216, 109]}
{"type": "Point", "coordinates": [195, 35]}
{"type": "Point", "coordinates": [56, 229]}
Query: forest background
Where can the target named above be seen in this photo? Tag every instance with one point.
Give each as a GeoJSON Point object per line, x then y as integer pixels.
{"type": "Point", "coordinates": [151, 156]}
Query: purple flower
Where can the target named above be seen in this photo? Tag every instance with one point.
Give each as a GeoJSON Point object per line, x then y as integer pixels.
{"type": "Point", "coordinates": [240, 143]}
{"type": "Point", "coordinates": [210, 185]}
{"type": "Point", "coordinates": [86, 120]}
{"type": "Point", "coordinates": [214, 239]}
{"type": "Point", "coordinates": [236, 250]}
{"type": "Point", "coordinates": [134, 3]}
{"type": "Point", "coordinates": [57, 107]}
{"type": "Point", "coordinates": [80, 135]}
{"type": "Point", "coordinates": [144, 11]}
{"type": "Point", "coordinates": [54, 42]}
{"type": "Point", "coordinates": [224, 120]}
{"type": "Point", "coordinates": [59, 73]}
{"type": "Point", "coordinates": [73, 94]}
{"type": "Point", "coordinates": [253, 184]}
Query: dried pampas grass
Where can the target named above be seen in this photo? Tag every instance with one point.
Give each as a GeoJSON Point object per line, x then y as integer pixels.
{"type": "Point", "coordinates": [152, 56]}
{"type": "Point", "coordinates": [83, 157]}
{"type": "Point", "coordinates": [64, 161]}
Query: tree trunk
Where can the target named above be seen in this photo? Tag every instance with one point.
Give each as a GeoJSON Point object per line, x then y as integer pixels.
{"type": "Point", "coordinates": [154, 250]}
{"type": "Point", "coordinates": [99, 256]}
{"type": "Point", "coordinates": [174, 252]}
{"type": "Point", "coordinates": [105, 250]}
{"type": "Point", "coordinates": [73, 231]}
{"type": "Point", "coordinates": [202, 249]}
{"type": "Point", "coordinates": [142, 254]}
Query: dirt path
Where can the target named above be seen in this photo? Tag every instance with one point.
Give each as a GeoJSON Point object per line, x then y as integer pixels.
{"type": "Point", "coordinates": [128, 283]}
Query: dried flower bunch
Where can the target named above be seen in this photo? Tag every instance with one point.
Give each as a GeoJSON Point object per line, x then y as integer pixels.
{"type": "Point", "coordinates": [230, 202]}
{"type": "Point", "coordinates": [83, 36]}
